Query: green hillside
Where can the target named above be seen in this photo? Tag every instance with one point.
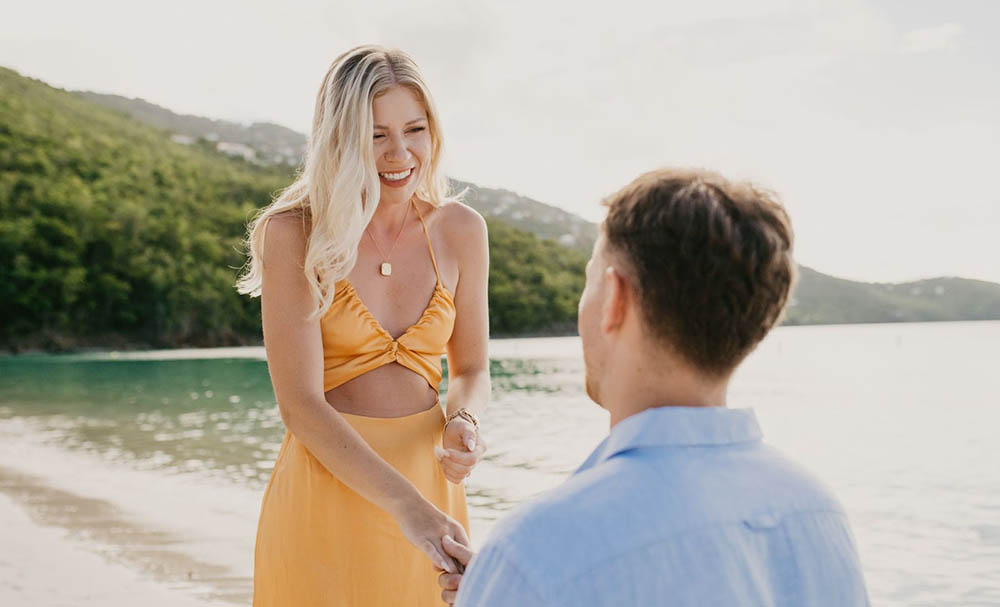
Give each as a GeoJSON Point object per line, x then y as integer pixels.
{"type": "Point", "coordinates": [535, 284]}
{"type": "Point", "coordinates": [273, 143]}
{"type": "Point", "coordinates": [527, 214]}
{"type": "Point", "coordinates": [822, 299]}
{"type": "Point", "coordinates": [113, 235]}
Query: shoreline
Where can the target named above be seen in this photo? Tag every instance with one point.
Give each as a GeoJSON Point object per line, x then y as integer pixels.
{"type": "Point", "coordinates": [64, 549]}
{"type": "Point", "coordinates": [137, 347]}
{"type": "Point", "coordinates": [82, 531]}
{"type": "Point", "coordinates": [41, 565]}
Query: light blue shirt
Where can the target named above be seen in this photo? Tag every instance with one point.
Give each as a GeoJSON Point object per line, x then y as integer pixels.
{"type": "Point", "coordinates": [678, 506]}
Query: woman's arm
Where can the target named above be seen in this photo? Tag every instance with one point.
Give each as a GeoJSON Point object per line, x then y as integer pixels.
{"type": "Point", "coordinates": [468, 362]}
{"type": "Point", "coordinates": [294, 349]}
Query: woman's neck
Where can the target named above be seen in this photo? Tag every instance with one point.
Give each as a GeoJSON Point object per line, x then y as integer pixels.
{"type": "Point", "coordinates": [389, 217]}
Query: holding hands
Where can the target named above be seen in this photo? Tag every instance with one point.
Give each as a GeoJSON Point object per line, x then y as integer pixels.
{"type": "Point", "coordinates": [463, 447]}
{"type": "Point", "coordinates": [448, 581]}
{"type": "Point", "coordinates": [426, 527]}
{"type": "Point", "coordinates": [435, 533]}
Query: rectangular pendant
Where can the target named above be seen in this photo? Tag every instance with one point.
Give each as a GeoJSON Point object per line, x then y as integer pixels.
{"type": "Point", "coordinates": [386, 268]}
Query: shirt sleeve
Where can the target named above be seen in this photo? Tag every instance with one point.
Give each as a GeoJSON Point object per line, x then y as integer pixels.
{"type": "Point", "coordinates": [494, 579]}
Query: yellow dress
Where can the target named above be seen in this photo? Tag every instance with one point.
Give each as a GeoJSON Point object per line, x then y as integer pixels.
{"type": "Point", "coordinates": [318, 542]}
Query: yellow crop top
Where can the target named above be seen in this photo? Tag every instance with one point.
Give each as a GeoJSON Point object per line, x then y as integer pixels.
{"type": "Point", "coordinates": [354, 342]}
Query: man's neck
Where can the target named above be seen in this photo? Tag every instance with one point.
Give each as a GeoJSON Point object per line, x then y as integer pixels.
{"type": "Point", "coordinates": [638, 380]}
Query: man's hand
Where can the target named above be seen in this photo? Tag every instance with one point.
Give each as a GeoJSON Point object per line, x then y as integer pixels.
{"type": "Point", "coordinates": [450, 581]}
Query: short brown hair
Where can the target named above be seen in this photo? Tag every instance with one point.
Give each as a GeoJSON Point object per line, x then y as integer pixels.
{"type": "Point", "coordinates": [713, 261]}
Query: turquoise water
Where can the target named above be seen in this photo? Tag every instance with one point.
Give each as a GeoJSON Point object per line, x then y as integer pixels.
{"type": "Point", "coordinates": [899, 419]}
{"type": "Point", "coordinates": [216, 416]}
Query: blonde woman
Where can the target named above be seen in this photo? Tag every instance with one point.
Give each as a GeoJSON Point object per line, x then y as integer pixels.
{"type": "Point", "coordinates": [368, 274]}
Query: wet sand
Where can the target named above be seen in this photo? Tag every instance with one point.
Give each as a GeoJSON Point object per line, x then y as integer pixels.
{"type": "Point", "coordinates": [67, 545]}
{"type": "Point", "coordinates": [52, 566]}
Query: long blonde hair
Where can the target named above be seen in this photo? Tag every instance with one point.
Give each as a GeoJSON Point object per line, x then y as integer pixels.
{"type": "Point", "coordinates": [337, 190]}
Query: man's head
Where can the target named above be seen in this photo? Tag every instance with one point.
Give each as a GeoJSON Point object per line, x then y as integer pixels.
{"type": "Point", "coordinates": [687, 264]}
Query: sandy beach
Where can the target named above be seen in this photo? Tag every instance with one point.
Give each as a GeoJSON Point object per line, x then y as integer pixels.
{"type": "Point", "coordinates": [78, 531]}
{"type": "Point", "coordinates": [44, 565]}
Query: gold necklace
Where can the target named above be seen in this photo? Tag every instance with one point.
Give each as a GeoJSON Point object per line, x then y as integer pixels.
{"type": "Point", "coordinates": [386, 268]}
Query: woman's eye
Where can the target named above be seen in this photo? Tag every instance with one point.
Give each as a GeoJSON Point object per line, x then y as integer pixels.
{"type": "Point", "coordinates": [379, 136]}
{"type": "Point", "coordinates": [417, 129]}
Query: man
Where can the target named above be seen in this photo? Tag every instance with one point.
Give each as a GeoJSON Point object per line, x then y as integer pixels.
{"type": "Point", "coordinates": [682, 504]}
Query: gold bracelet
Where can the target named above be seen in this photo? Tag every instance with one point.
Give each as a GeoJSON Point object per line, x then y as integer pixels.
{"type": "Point", "coordinates": [465, 414]}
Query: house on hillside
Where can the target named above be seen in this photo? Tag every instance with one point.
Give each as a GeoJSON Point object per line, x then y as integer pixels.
{"type": "Point", "coordinates": [236, 149]}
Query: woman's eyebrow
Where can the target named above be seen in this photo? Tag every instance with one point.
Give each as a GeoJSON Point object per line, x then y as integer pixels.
{"type": "Point", "coordinates": [422, 118]}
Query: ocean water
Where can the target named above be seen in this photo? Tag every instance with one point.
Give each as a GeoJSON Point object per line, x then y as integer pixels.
{"type": "Point", "coordinates": [169, 452]}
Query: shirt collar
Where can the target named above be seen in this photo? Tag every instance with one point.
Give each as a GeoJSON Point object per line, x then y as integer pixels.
{"type": "Point", "coordinates": [677, 427]}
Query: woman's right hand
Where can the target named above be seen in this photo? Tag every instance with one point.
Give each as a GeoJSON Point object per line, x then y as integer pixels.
{"type": "Point", "coordinates": [424, 525]}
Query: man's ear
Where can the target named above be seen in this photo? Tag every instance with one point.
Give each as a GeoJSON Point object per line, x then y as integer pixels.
{"type": "Point", "coordinates": [616, 301]}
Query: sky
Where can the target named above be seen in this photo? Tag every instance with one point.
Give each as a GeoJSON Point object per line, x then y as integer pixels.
{"type": "Point", "coordinates": [876, 122]}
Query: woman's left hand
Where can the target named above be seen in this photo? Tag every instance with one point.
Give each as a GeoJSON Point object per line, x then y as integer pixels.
{"type": "Point", "coordinates": [463, 448]}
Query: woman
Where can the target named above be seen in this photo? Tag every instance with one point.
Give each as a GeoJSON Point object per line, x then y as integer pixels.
{"type": "Point", "coordinates": [367, 275]}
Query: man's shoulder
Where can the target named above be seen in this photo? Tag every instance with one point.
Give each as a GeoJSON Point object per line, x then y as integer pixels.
{"type": "Point", "coordinates": [635, 499]}
{"type": "Point", "coordinates": [568, 529]}
{"type": "Point", "coordinates": [789, 484]}
{"type": "Point", "coordinates": [656, 520]}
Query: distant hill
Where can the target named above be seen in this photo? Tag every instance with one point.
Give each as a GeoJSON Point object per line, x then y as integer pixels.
{"type": "Point", "coordinates": [532, 216]}
{"type": "Point", "coordinates": [822, 299]}
{"type": "Point", "coordinates": [274, 144]}
{"type": "Point", "coordinates": [271, 143]}
{"type": "Point", "coordinates": [113, 235]}
{"type": "Point", "coordinates": [818, 299]}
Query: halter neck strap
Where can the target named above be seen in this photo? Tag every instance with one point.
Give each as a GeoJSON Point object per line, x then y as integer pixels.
{"type": "Point", "coordinates": [428, 235]}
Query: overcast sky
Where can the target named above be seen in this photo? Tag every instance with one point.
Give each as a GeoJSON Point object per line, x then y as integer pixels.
{"type": "Point", "coordinates": [877, 122]}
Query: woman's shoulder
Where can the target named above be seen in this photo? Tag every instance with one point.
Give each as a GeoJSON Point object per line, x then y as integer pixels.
{"type": "Point", "coordinates": [463, 231]}
{"type": "Point", "coordinates": [286, 235]}
{"type": "Point", "coordinates": [294, 222]}
{"type": "Point", "coordinates": [291, 216]}
{"type": "Point", "coordinates": [459, 219]}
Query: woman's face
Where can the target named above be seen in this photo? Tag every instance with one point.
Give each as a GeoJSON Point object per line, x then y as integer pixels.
{"type": "Point", "coordinates": [402, 143]}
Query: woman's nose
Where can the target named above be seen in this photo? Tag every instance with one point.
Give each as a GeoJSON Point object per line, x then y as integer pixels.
{"type": "Point", "coordinates": [397, 149]}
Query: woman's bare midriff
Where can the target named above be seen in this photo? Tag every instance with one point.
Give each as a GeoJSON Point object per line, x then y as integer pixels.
{"type": "Point", "coordinates": [391, 390]}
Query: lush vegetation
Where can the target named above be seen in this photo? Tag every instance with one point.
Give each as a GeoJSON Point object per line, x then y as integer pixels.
{"type": "Point", "coordinates": [535, 284]}
{"type": "Point", "coordinates": [112, 235]}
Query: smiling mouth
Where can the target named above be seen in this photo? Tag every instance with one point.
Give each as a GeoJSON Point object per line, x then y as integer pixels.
{"type": "Point", "coordinates": [399, 176]}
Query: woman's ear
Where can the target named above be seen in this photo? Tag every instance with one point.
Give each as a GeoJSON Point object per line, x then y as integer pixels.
{"type": "Point", "coordinates": [615, 301]}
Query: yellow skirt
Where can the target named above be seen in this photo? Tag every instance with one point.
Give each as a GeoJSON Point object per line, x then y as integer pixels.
{"type": "Point", "coordinates": [321, 544]}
